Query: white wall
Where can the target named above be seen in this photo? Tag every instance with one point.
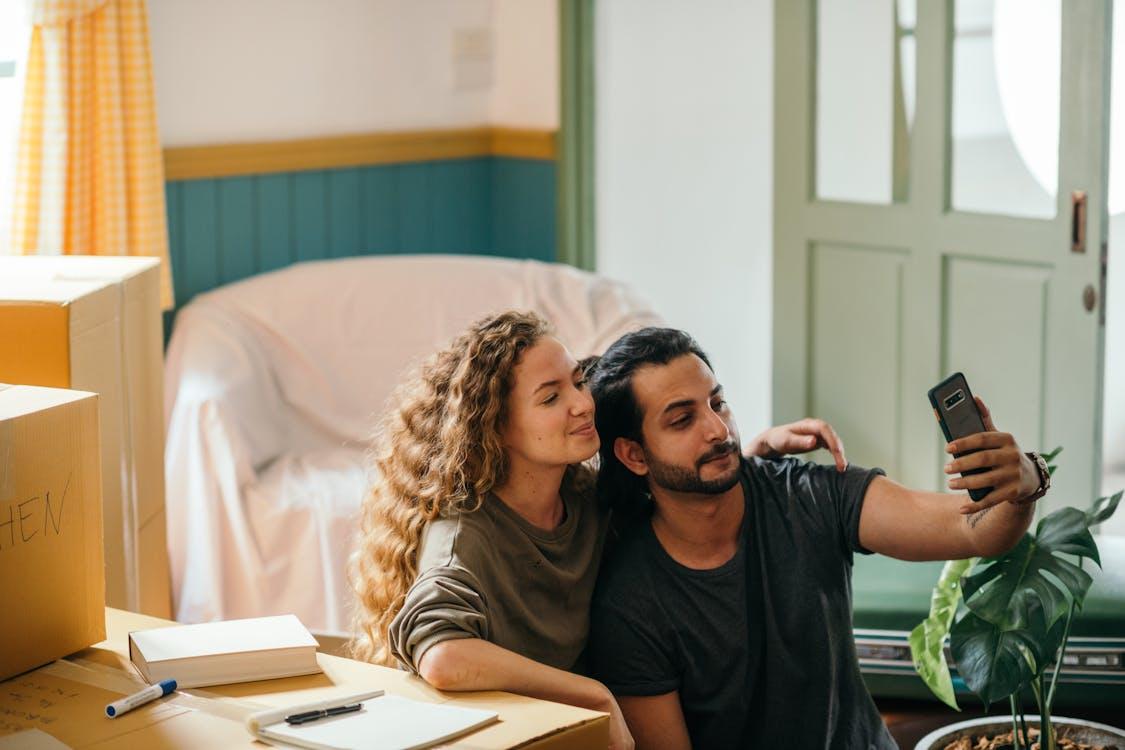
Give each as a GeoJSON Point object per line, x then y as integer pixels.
{"type": "Point", "coordinates": [684, 114]}
{"type": "Point", "coordinates": [277, 69]}
{"type": "Point", "coordinates": [525, 89]}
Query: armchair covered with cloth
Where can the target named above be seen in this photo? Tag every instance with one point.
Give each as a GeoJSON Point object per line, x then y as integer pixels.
{"type": "Point", "coordinates": [273, 387]}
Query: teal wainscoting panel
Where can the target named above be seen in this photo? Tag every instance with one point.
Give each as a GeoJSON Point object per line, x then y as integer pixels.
{"type": "Point", "coordinates": [238, 243]}
{"type": "Point", "coordinates": [226, 229]}
{"type": "Point", "coordinates": [345, 213]}
{"type": "Point", "coordinates": [459, 206]}
{"type": "Point", "coordinates": [310, 214]}
{"type": "Point", "coordinates": [414, 228]}
{"type": "Point", "coordinates": [523, 208]}
{"type": "Point", "coordinates": [273, 215]}
{"type": "Point", "coordinates": [380, 210]}
{"type": "Point", "coordinates": [173, 192]}
{"type": "Point", "coordinates": [201, 265]}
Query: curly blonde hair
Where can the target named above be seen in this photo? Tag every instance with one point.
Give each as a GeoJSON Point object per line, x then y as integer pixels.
{"type": "Point", "coordinates": [437, 450]}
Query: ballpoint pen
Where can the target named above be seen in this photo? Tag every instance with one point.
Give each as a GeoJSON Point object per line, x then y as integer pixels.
{"type": "Point", "coordinates": [307, 716]}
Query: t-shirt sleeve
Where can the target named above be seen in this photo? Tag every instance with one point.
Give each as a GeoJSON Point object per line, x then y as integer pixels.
{"type": "Point", "coordinates": [444, 603]}
{"type": "Point", "coordinates": [845, 492]}
{"type": "Point", "coordinates": [627, 651]}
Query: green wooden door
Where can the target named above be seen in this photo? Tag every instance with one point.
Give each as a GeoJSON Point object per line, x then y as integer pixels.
{"type": "Point", "coordinates": [879, 295]}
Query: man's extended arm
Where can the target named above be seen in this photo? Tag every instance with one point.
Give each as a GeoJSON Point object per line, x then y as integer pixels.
{"type": "Point", "coordinates": [914, 525]}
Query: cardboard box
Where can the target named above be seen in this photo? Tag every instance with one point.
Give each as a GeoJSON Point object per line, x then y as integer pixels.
{"type": "Point", "coordinates": [95, 324]}
{"type": "Point", "coordinates": [51, 570]}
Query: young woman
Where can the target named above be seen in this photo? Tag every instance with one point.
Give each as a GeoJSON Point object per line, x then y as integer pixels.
{"type": "Point", "coordinates": [482, 537]}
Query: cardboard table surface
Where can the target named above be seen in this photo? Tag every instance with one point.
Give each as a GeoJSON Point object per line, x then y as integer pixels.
{"type": "Point", "coordinates": [67, 700]}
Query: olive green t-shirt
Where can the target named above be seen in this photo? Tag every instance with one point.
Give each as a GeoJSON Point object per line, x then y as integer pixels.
{"type": "Point", "coordinates": [491, 574]}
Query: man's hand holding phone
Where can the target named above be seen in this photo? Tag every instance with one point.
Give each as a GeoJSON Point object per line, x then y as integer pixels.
{"type": "Point", "coordinates": [1008, 471]}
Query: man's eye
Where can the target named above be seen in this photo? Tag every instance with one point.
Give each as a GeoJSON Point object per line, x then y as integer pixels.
{"type": "Point", "coordinates": [681, 421]}
{"type": "Point", "coordinates": [719, 405]}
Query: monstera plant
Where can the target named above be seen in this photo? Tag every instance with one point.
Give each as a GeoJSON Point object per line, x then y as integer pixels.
{"type": "Point", "coordinates": [1008, 618]}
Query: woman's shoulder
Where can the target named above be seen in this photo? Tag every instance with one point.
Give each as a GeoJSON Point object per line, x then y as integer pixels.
{"type": "Point", "coordinates": [456, 538]}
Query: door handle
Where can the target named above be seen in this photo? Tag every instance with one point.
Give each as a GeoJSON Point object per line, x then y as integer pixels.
{"type": "Point", "coordinates": [1078, 221]}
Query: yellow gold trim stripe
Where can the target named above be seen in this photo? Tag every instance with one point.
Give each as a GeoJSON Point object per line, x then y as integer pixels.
{"type": "Point", "coordinates": [196, 162]}
{"type": "Point", "coordinates": [523, 144]}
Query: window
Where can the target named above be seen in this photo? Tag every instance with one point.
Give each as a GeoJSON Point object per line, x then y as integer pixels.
{"type": "Point", "coordinates": [13, 46]}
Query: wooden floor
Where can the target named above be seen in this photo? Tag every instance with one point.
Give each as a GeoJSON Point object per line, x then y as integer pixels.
{"type": "Point", "coordinates": [910, 720]}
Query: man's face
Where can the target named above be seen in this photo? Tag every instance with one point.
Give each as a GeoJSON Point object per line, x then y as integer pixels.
{"type": "Point", "coordinates": [690, 439]}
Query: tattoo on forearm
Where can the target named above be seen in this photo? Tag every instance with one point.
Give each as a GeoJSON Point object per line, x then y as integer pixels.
{"type": "Point", "coordinates": [974, 518]}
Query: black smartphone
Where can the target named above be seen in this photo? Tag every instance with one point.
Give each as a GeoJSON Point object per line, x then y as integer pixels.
{"type": "Point", "coordinates": [957, 413]}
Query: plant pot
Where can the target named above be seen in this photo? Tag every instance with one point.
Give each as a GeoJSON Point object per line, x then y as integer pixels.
{"type": "Point", "coordinates": [1077, 729]}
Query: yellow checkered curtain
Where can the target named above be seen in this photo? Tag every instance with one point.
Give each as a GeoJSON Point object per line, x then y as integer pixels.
{"type": "Point", "coordinates": [90, 174]}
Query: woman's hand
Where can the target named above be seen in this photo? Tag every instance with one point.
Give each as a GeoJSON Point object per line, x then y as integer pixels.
{"type": "Point", "coordinates": [619, 736]}
{"type": "Point", "coordinates": [475, 664]}
{"type": "Point", "coordinates": [799, 437]}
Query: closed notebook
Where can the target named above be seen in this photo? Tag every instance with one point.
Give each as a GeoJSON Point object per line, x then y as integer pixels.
{"type": "Point", "coordinates": [217, 653]}
{"type": "Point", "coordinates": [386, 722]}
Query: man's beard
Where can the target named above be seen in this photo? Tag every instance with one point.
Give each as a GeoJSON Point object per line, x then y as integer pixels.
{"type": "Point", "coordinates": [681, 479]}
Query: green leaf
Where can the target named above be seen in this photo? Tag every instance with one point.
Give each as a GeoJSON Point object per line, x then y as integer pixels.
{"type": "Point", "coordinates": [1044, 640]}
{"type": "Point", "coordinates": [1067, 531]}
{"type": "Point", "coordinates": [927, 640]}
{"type": "Point", "coordinates": [1035, 573]}
{"type": "Point", "coordinates": [993, 661]}
{"type": "Point", "coordinates": [1103, 508]}
{"type": "Point", "coordinates": [1049, 457]}
{"type": "Point", "coordinates": [1004, 590]}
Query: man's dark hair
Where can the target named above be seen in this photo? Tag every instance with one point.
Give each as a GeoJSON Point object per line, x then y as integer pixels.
{"type": "Point", "coordinates": [617, 414]}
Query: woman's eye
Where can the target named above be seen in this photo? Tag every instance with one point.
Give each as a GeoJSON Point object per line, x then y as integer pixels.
{"type": "Point", "coordinates": [551, 399]}
{"type": "Point", "coordinates": [582, 383]}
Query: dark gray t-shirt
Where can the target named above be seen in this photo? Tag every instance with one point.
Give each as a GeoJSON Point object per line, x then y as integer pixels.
{"type": "Point", "coordinates": [760, 648]}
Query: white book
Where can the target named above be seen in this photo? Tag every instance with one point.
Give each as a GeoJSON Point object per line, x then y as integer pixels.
{"type": "Point", "coordinates": [217, 653]}
{"type": "Point", "coordinates": [385, 722]}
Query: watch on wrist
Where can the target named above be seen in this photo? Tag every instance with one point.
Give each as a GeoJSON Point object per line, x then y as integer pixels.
{"type": "Point", "coordinates": [1044, 478]}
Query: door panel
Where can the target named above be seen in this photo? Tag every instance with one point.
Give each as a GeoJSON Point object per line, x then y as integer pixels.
{"type": "Point", "coordinates": [856, 358]}
{"type": "Point", "coordinates": [995, 321]}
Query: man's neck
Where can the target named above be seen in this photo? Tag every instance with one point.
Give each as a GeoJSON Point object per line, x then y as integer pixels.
{"type": "Point", "coordinates": [699, 531]}
{"type": "Point", "coordinates": [533, 493]}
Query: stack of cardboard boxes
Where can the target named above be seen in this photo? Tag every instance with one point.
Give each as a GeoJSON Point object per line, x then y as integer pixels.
{"type": "Point", "coordinates": [94, 325]}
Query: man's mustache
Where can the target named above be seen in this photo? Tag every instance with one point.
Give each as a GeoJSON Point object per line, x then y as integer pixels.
{"type": "Point", "coordinates": [718, 451]}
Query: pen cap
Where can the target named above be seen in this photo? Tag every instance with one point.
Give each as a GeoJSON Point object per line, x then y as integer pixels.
{"type": "Point", "coordinates": [168, 686]}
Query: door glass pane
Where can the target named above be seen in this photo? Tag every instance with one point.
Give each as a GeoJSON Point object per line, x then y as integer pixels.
{"type": "Point", "coordinates": [864, 99]}
{"type": "Point", "coordinates": [1005, 107]}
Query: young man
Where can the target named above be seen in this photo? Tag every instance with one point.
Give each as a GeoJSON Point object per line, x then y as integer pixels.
{"type": "Point", "coordinates": [723, 614]}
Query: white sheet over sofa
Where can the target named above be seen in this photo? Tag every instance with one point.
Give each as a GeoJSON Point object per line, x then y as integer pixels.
{"type": "Point", "coordinates": [273, 386]}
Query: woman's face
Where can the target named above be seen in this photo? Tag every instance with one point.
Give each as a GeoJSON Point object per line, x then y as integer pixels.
{"type": "Point", "coordinates": [550, 411]}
